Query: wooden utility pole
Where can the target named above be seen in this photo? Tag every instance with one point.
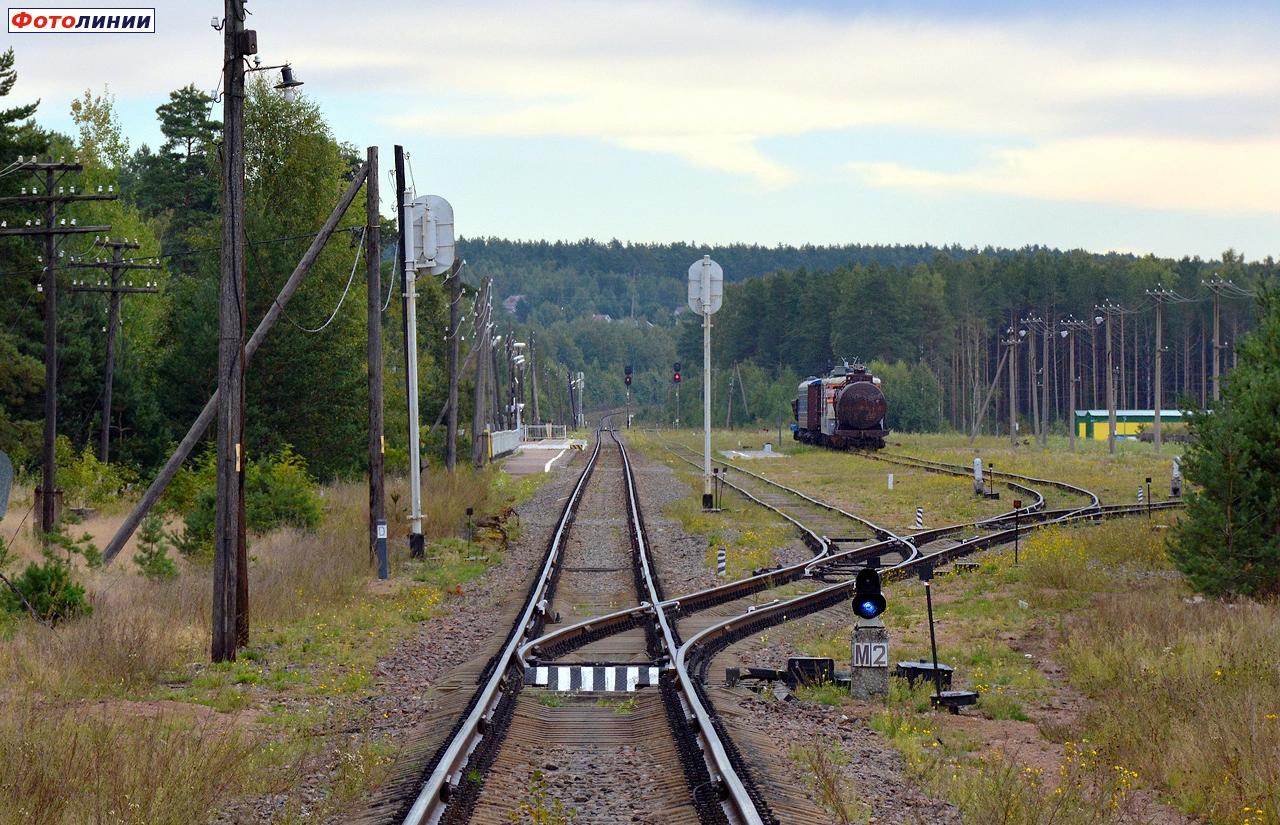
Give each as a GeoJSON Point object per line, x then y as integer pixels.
{"type": "Point", "coordinates": [1108, 309]}
{"type": "Point", "coordinates": [533, 382]}
{"type": "Point", "coordinates": [230, 562]}
{"type": "Point", "coordinates": [1014, 340]}
{"type": "Point", "coordinates": [454, 280]}
{"type": "Point", "coordinates": [373, 289]}
{"type": "Point", "coordinates": [50, 174]}
{"type": "Point", "coordinates": [117, 266]}
{"type": "Point", "coordinates": [481, 345]}
{"type": "Point", "coordinates": [1217, 285]}
{"type": "Point", "coordinates": [728, 410]}
{"type": "Point", "coordinates": [1069, 329]}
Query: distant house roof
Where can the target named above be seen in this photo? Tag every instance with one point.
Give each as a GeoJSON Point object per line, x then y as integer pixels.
{"type": "Point", "coordinates": [511, 302]}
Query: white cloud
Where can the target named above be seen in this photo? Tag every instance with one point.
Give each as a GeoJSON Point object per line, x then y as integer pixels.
{"type": "Point", "coordinates": [1236, 176]}
{"type": "Point", "coordinates": [709, 82]}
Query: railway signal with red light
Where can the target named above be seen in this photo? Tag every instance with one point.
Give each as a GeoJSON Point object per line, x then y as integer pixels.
{"type": "Point", "coordinates": [868, 601]}
{"type": "Point", "coordinates": [675, 368]}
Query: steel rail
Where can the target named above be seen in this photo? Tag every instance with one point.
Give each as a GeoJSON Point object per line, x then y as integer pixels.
{"type": "Point", "coordinates": [738, 801]}
{"type": "Point", "coordinates": [568, 637]}
{"type": "Point", "coordinates": [433, 797]}
{"type": "Point", "coordinates": [725, 632]}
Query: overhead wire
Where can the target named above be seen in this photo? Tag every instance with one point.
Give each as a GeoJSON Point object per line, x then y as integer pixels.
{"type": "Point", "coordinates": [346, 290]}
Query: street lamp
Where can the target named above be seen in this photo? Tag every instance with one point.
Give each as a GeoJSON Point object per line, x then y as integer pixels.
{"type": "Point", "coordinates": [288, 82]}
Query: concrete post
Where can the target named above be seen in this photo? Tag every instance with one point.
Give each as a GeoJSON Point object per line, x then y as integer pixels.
{"type": "Point", "coordinates": [870, 659]}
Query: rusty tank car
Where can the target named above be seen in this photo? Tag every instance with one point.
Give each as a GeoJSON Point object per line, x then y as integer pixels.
{"type": "Point", "coordinates": [842, 410]}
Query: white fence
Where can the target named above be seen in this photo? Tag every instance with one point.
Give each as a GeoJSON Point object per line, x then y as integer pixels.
{"type": "Point", "coordinates": [537, 432]}
{"type": "Point", "coordinates": [502, 442]}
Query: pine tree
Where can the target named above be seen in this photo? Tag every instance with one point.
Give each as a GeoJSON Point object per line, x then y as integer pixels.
{"type": "Point", "coordinates": [152, 557]}
{"type": "Point", "coordinates": [1229, 542]}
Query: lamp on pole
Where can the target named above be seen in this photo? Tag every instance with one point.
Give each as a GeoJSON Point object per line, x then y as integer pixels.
{"type": "Point", "coordinates": [230, 618]}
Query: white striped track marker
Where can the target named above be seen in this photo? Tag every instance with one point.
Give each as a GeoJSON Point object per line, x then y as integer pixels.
{"type": "Point", "coordinates": [919, 518]}
{"type": "Point", "coordinates": [594, 678]}
{"type": "Point", "coordinates": [720, 562]}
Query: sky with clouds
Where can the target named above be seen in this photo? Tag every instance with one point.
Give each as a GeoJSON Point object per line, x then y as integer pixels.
{"type": "Point", "coordinates": [1140, 127]}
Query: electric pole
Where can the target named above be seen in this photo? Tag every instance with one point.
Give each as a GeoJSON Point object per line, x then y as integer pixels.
{"type": "Point", "coordinates": [49, 174]}
{"type": "Point", "coordinates": [373, 290]}
{"type": "Point", "coordinates": [230, 562]}
{"type": "Point", "coordinates": [1108, 309]}
{"type": "Point", "coordinates": [1160, 295]}
{"type": "Point", "coordinates": [116, 289]}
{"type": "Point", "coordinates": [1069, 328]}
{"type": "Point", "coordinates": [454, 279]}
{"type": "Point", "coordinates": [480, 344]}
{"type": "Point", "coordinates": [1217, 285]}
{"type": "Point", "coordinates": [533, 383]}
{"type": "Point", "coordinates": [1038, 323]}
{"type": "Point", "coordinates": [408, 276]}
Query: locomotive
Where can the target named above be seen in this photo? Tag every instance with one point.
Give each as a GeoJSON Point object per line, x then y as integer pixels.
{"type": "Point", "coordinates": [842, 410]}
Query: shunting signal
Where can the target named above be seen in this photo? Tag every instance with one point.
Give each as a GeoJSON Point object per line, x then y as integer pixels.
{"type": "Point", "coordinates": [868, 601]}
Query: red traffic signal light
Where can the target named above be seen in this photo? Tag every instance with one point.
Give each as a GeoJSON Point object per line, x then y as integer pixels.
{"type": "Point", "coordinates": [627, 379]}
{"type": "Point", "coordinates": [676, 378]}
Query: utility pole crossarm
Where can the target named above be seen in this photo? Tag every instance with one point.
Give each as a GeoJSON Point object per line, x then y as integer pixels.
{"type": "Point", "coordinates": [12, 231]}
{"type": "Point", "coordinates": [60, 197]}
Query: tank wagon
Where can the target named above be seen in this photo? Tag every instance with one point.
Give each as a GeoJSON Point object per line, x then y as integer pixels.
{"type": "Point", "coordinates": [843, 410]}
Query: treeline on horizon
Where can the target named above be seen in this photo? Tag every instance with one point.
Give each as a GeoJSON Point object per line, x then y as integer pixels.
{"type": "Point", "coordinates": [934, 317]}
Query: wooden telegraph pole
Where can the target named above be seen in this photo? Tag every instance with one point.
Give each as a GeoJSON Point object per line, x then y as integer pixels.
{"type": "Point", "coordinates": [230, 562]}
{"type": "Point", "coordinates": [49, 174]}
{"type": "Point", "coordinates": [533, 382]}
{"type": "Point", "coordinates": [373, 279]}
{"type": "Point", "coordinates": [455, 330]}
{"type": "Point", "coordinates": [117, 290]}
{"type": "Point", "coordinates": [480, 347]}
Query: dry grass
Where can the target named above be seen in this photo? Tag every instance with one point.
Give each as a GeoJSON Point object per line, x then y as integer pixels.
{"type": "Point", "coordinates": [856, 483]}
{"type": "Point", "coordinates": [65, 759]}
{"type": "Point", "coordinates": [1114, 478]}
{"type": "Point", "coordinates": [62, 766]}
{"type": "Point", "coordinates": [1186, 695]}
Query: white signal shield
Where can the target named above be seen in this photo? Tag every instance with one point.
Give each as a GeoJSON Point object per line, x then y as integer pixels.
{"type": "Point", "coordinates": [715, 297]}
{"type": "Point", "coordinates": [430, 245]}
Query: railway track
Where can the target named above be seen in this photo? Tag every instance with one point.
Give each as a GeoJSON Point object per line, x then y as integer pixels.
{"type": "Point", "coordinates": [685, 769]}
{"type": "Point", "coordinates": [559, 642]}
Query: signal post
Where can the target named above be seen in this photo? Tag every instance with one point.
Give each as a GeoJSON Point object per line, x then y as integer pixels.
{"type": "Point", "coordinates": [706, 293]}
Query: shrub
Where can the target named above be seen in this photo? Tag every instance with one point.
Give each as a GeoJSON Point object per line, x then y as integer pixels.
{"type": "Point", "coordinates": [48, 591]}
{"type": "Point", "coordinates": [279, 492]}
{"type": "Point", "coordinates": [152, 557]}
{"type": "Point", "coordinates": [87, 481]}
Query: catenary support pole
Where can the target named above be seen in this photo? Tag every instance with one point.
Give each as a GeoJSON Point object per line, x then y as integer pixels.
{"type": "Point", "coordinates": [373, 289]}
{"type": "Point", "coordinates": [209, 412]}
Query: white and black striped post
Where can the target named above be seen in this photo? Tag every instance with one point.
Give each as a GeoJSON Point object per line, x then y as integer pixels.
{"type": "Point", "coordinates": [1139, 495]}
{"type": "Point", "coordinates": [720, 562]}
{"type": "Point", "coordinates": [919, 518]}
